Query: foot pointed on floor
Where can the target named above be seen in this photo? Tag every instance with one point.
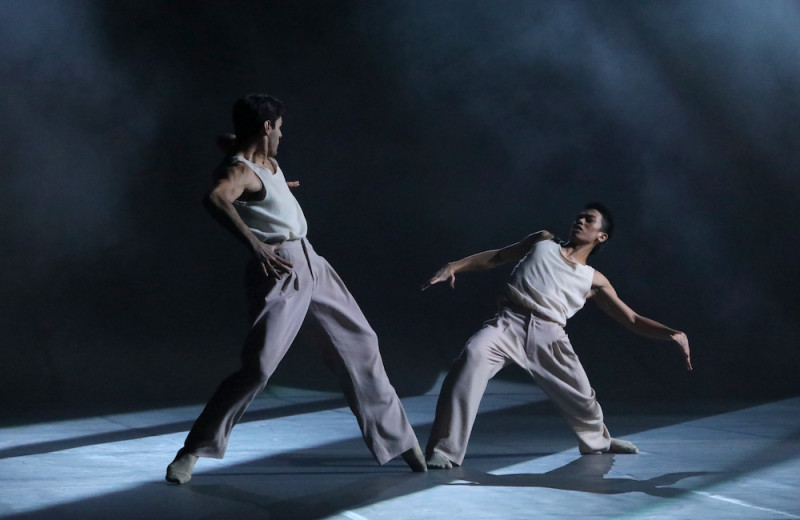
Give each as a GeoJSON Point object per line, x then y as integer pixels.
{"type": "Point", "coordinates": [624, 447]}
{"type": "Point", "coordinates": [180, 470]}
{"type": "Point", "coordinates": [415, 459]}
{"type": "Point", "coordinates": [438, 461]}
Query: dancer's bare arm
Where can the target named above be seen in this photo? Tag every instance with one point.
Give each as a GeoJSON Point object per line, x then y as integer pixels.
{"type": "Point", "coordinates": [230, 185]}
{"type": "Point", "coordinates": [606, 298]}
{"type": "Point", "coordinates": [487, 259]}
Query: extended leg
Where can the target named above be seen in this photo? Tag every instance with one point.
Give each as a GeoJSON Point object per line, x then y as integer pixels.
{"type": "Point", "coordinates": [278, 316]}
{"type": "Point", "coordinates": [483, 356]}
{"type": "Point", "coordinates": [371, 396]}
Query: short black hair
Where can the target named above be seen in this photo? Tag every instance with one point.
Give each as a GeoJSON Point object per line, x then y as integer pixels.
{"type": "Point", "coordinates": [607, 225]}
{"type": "Point", "coordinates": [252, 111]}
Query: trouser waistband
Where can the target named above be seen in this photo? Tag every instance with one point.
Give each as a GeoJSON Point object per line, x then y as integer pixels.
{"type": "Point", "coordinates": [295, 242]}
{"type": "Point", "coordinates": [524, 311]}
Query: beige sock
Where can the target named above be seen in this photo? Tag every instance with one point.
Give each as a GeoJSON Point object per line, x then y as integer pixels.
{"type": "Point", "coordinates": [180, 470]}
{"type": "Point", "coordinates": [624, 447]}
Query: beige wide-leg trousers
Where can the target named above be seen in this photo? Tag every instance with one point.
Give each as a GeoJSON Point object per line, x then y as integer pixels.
{"type": "Point", "coordinates": [278, 307]}
{"type": "Point", "coordinates": [540, 347]}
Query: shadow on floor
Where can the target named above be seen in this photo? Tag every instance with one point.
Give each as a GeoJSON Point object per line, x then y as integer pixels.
{"type": "Point", "coordinates": [586, 473]}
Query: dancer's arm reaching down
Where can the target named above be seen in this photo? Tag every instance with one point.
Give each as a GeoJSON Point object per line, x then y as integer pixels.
{"type": "Point", "coordinates": [234, 181]}
{"type": "Point", "coordinates": [606, 298]}
{"type": "Point", "coordinates": [487, 259]}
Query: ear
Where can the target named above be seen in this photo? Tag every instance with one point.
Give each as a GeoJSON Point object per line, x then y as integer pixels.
{"type": "Point", "coordinates": [602, 237]}
{"type": "Point", "coordinates": [267, 127]}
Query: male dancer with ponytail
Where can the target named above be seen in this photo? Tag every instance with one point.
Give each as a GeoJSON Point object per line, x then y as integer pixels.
{"type": "Point", "coordinates": [286, 280]}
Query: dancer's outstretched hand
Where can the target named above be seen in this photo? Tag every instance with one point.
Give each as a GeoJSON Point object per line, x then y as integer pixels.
{"type": "Point", "coordinates": [681, 339]}
{"type": "Point", "coordinates": [446, 273]}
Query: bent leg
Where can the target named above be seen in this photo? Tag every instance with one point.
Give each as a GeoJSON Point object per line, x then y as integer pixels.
{"type": "Point", "coordinates": [559, 373]}
{"type": "Point", "coordinates": [486, 352]}
{"type": "Point", "coordinates": [373, 400]}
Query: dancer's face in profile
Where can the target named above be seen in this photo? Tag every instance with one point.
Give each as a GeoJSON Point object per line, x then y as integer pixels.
{"type": "Point", "coordinates": [588, 227]}
{"type": "Point", "coordinates": [274, 138]}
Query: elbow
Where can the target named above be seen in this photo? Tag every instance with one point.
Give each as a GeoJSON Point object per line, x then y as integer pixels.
{"type": "Point", "coordinates": [631, 321]}
{"type": "Point", "coordinates": [496, 260]}
{"type": "Point", "coordinates": [212, 200]}
{"type": "Point", "coordinates": [208, 203]}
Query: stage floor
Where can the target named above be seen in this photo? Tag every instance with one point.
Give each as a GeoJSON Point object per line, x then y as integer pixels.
{"type": "Point", "coordinates": [299, 455]}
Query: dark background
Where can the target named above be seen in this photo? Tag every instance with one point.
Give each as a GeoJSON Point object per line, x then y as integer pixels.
{"type": "Point", "coordinates": [422, 131]}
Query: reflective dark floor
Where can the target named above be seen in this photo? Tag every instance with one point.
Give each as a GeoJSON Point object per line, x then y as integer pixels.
{"type": "Point", "coordinates": [298, 455]}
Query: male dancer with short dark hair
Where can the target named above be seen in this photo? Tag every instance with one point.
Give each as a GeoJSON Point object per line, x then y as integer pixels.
{"type": "Point", "coordinates": [549, 285]}
{"type": "Point", "coordinates": [286, 280]}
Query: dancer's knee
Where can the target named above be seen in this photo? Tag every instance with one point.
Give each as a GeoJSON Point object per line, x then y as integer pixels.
{"type": "Point", "coordinates": [254, 373]}
{"type": "Point", "coordinates": [475, 355]}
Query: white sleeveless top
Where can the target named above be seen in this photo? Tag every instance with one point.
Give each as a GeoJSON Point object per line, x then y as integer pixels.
{"type": "Point", "coordinates": [278, 216]}
{"type": "Point", "coordinates": [548, 284]}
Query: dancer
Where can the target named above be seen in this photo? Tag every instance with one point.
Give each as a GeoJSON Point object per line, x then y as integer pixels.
{"type": "Point", "coordinates": [287, 279]}
{"type": "Point", "coordinates": [548, 286]}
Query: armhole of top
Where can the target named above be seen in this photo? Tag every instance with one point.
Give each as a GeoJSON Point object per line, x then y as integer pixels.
{"type": "Point", "coordinates": [259, 195]}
